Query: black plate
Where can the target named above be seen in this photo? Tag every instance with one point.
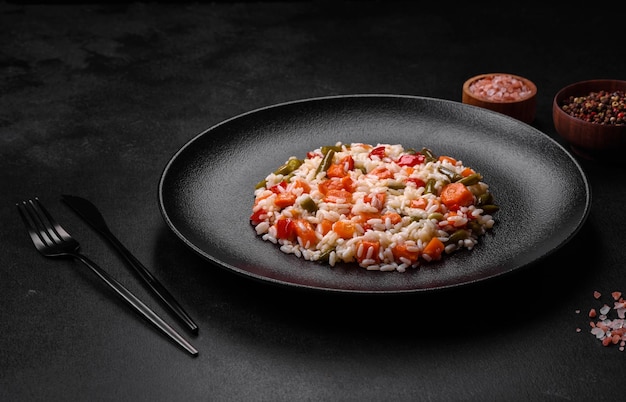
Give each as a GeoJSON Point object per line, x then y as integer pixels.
{"type": "Point", "coordinates": [206, 189]}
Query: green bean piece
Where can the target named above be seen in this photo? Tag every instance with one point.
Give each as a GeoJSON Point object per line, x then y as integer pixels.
{"type": "Point", "coordinates": [429, 188]}
{"type": "Point", "coordinates": [260, 184]}
{"type": "Point", "coordinates": [327, 148]}
{"type": "Point", "coordinates": [410, 151]}
{"type": "Point", "coordinates": [289, 166]}
{"type": "Point", "coordinates": [283, 169]}
{"type": "Point", "coordinates": [430, 157]}
{"type": "Point", "coordinates": [485, 199]}
{"type": "Point", "coordinates": [458, 235]}
{"type": "Point", "coordinates": [326, 161]}
{"type": "Point", "coordinates": [308, 204]}
{"type": "Point", "coordinates": [490, 208]}
{"type": "Point", "coordinates": [471, 179]}
{"type": "Point", "coordinates": [396, 185]}
{"type": "Point", "coordinates": [436, 215]}
{"type": "Point", "coordinates": [474, 226]}
{"type": "Point", "coordinates": [453, 176]}
{"type": "Point", "coordinates": [325, 256]}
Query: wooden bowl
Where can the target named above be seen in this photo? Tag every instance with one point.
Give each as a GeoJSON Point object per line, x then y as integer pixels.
{"type": "Point", "coordinates": [588, 139]}
{"type": "Point", "coordinates": [522, 108]}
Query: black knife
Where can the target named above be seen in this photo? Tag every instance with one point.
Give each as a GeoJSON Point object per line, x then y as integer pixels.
{"type": "Point", "coordinates": [90, 213]}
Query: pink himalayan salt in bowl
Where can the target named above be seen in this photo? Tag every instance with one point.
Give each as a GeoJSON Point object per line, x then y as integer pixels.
{"type": "Point", "coordinates": [504, 93]}
{"type": "Point", "coordinates": [500, 88]}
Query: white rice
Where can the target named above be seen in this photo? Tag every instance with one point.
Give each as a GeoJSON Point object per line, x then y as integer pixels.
{"type": "Point", "coordinates": [422, 214]}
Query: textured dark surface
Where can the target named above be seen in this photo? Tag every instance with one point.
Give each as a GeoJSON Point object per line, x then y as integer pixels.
{"type": "Point", "coordinates": [96, 99]}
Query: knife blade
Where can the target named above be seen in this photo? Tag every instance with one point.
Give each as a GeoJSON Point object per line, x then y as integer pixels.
{"type": "Point", "coordinates": [90, 214]}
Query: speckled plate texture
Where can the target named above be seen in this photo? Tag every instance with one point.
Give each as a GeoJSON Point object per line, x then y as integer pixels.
{"type": "Point", "coordinates": [206, 189]}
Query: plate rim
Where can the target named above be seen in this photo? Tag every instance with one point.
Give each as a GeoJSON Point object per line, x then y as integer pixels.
{"type": "Point", "coordinates": [281, 283]}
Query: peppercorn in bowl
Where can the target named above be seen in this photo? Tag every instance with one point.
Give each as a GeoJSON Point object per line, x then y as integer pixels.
{"type": "Point", "coordinates": [591, 117]}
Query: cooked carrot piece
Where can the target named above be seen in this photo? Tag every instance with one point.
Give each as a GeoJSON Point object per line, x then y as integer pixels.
{"type": "Point", "coordinates": [336, 170]}
{"type": "Point", "coordinates": [377, 200]}
{"type": "Point", "coordinates": [305, 233]}
{"type": "Point", "coordinates": [344, 183]}
{"type": "Point", "coordinates": [342, 168]}
{"type": "Point", "coordinates": [324, 186]}
{"type": "Point", "coordinates": [394, 217]}
{"type": "Point", "coordinates": [401, 251]}
{"type": "Point", "coordinates": [284, 200]}
{"type": "Point", "coordinates": [382, 173]}
{"type": "Point", "coordinates": [456, 195]}
{"type": "Point", "coordinates": [338, 196]}
{"type": "Point", "coordinates": [444, 158]}
{"type": "Point", "coordinates": [363, 217]}
{"type": "Point", "coordinates": [368, 250]}
{"type": "Point", "coordinates": [347, 183]}
{"type": "Point", "coordinates": [303, 185]}
{"type": "Point", "coordinates": [467, 172]}
{"type": "Point", "coordinates": [434, 248]}
{"type": "Point", "coordinates": [344, 229]}
{"type": "Point", "coordinates": [325, 226]}
{"type": "Point", "coordinates": [419, 203]}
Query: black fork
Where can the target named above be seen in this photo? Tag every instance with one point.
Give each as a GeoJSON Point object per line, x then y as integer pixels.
{"type": "Point", "coordinates": [51, 240]}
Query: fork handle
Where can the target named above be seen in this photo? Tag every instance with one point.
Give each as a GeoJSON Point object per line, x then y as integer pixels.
{"type": "Point", "coordinates": [136, 304]}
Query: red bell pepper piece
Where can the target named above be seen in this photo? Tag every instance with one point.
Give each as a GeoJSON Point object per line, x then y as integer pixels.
{"type": "Point", "coordinates": [411, 159]}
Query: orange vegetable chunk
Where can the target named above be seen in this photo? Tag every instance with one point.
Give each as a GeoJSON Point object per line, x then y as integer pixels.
{"type": "Point", "coordinates": [344, 229]}
{"type": "Point", "coordinates": [305, 233]}
{"type": "Point", "coordinates": [434, 248]}
{"type": "Point", "coordinates": [456, 195]}
{"type": "Point", "coordinates": [368, 248]}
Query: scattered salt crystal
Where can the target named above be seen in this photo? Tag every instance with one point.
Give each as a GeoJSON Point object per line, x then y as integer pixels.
{"type": "Point", "coordinates": [598, 332]}
{"type": "Point", "coordinates": [610, 331]}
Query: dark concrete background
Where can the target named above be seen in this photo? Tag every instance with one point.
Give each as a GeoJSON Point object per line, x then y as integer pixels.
{"type": "Point", "coordinates": [96, 98]}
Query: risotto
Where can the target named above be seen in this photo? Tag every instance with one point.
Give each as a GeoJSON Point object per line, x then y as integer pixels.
{"type": "Point", "coordinates": [381, 206]}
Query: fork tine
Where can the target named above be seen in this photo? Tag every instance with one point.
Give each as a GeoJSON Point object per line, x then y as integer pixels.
{"type": "Point", "coordinates": [33, 230]}
{"type": "Point", "coordinates": [53, 227]}
{"type": "Point", "coordinates": [46, 232]}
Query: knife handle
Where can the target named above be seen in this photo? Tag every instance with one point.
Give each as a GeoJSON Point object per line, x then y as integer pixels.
{"type": "Point", "coordinates": [154, 284]}
{"type": "Point", "coordinates": [137, 304]}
